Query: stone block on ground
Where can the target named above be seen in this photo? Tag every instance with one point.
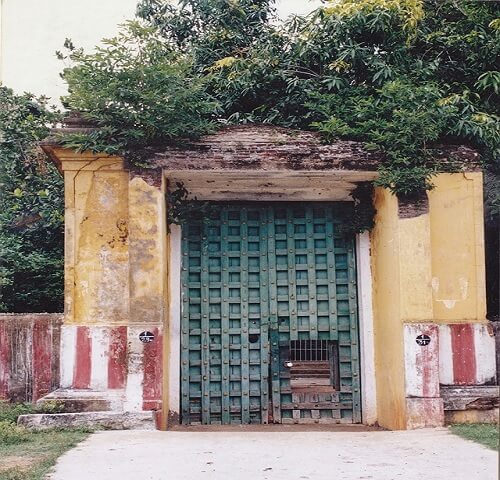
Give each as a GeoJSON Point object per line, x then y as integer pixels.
{"type": "Point", "coordinates": [97, 420]}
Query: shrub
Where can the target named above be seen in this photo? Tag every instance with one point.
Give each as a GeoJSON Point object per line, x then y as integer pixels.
{"type": "Point", "coordinates": [11, 434]}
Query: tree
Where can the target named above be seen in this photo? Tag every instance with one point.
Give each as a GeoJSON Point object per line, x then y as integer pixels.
{"type": "Point", "coordinates": [31, 209]}
{"type": "Point", "coordinates": [399, 75]}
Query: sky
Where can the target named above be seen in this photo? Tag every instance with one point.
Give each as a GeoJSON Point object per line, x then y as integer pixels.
{"type": "Point", "coordinates": [287, 7]}
{"type": "Point", "coordinates": [32, 30]}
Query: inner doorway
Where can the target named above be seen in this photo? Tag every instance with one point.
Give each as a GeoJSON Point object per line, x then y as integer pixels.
{"type": "Point", "coordinates": [269, 329]}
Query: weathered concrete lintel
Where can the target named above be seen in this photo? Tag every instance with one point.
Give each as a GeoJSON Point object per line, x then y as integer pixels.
{"type": "Point", "coordinates": [240, 185]}
{"type": "Point", "coordinates": [241, 161]}
{"type": "Point", "coordinates": [261, 147]}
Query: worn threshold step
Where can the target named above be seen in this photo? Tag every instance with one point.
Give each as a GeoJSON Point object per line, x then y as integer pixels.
{"type": "Point", "coordinates": [98, 420]}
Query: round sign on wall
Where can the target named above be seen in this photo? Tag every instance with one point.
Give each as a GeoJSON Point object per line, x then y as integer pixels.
{"type": "Point", "coordinates": [423, 340]}
{"type": "Point", "coordinates": [146, 337]}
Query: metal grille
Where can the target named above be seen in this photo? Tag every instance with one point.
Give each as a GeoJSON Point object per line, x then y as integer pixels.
{"type": "Point", "coordinates": [309, 350]}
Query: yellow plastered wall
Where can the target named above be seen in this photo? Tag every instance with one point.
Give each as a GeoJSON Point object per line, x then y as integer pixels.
{"type": "Point", "coordinates": [147, 256]}
{"type": "Point", "coordinates": [96, 241]}
{"type": "Point", "coordinates": [457, 237]}
{"type": "Point", "coordinates": [415, 269]}
{"type": "Point", "coordinates": [115, 240]}
{"type": "Point", "coordinates": [389, 353]}
{"type": "Point", "coordinates": [426, 269]}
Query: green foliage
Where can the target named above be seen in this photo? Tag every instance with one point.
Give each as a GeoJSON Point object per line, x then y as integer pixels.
{"type": "Point", "coordinates": [29, 455]}
{"type": "Point", "coordinates": [398, 75]}
{"type": "Point", "coordinates": [137, 90]}
{"type": "Point", "coordinates": [209, 30]}
{"type": "Point", "coordinates": [11, 434]}
{"type": "Point", "coordinates": [9, 412]}
{"type": "Point", "coordinates": [362, 217]}
{"type": "Point", "coordinates": [399, 118]}
{"type": "Point", "coordinates": [31, 209]}
{"type": "Point", "coordinates": [182, 208]}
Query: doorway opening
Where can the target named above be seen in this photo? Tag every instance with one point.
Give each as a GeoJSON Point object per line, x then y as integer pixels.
{"type": "Point", "coordinates": [269, 316]}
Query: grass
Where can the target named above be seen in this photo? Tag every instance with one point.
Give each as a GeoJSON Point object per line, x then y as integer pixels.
{"type": "Point", "coordinates": [29, 455]}
{"type": "Point", "coordinates": [483, 433]}
{"type": "Point", "coordinates": [10, 411]}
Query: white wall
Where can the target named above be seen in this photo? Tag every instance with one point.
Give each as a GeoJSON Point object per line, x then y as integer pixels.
{"type": "Point", "coordinates": [32, 30]}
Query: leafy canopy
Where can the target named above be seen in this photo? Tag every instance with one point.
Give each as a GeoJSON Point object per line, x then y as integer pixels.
{"type": "Point", "coordinates": [398, 75]}
{"type": "Point", "coordinates": [31, 209]}
{"type": "Point", "coordinates": [138, 90]}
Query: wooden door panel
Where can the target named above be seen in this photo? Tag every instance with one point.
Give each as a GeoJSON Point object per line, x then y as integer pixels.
{"type": "Point", "coordinates": [255, 279]}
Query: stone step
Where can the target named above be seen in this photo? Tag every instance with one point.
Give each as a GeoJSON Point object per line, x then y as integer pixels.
{"type": "Point", "coordinates": [91, 420]}
{"type": "Point", "coordinates": [85, 400]}
{"type": "Point", "coordinates": [478, 397]}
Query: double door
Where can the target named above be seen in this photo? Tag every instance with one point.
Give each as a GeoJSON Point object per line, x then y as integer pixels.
{"type": "Point", "coordinates": [269, 329]}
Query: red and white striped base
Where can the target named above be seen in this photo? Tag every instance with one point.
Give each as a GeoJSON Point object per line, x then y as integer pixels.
{"type": "Point", "coordinates": [467, 354]}
{"type": "Point", "coordinates": [455, 354]}
{"type": "Point", "coordinates": [114, 358]}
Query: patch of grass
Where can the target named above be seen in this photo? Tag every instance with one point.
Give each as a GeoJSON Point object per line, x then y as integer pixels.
{"type": "Point", "coordinates": [32, 459]}
{"type": "Point", "coordinates": [29, 455]}
{"type": "Point", "coordinates": [9, 412]}
{"type": "Point", "coordinates": [484, 433]}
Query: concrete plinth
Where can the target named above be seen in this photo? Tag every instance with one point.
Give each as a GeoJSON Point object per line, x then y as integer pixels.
{"type": "Point", "coordinates": [93, 420]}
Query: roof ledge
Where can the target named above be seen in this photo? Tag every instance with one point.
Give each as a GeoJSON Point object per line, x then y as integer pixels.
{"type": "Point", "coordinates": [253, 147]}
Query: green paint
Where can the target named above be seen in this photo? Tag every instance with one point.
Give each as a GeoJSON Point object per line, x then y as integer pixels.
{"type": "Point", "coordinates": [255, 277]}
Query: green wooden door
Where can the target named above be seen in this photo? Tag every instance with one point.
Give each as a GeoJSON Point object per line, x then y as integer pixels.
{"type": "Point", "coordinates": [269, 320]}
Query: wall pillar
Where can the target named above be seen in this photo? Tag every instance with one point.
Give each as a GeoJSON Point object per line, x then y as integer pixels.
{"type": "Point", "coordinates": [115, 265]}
{"type": "Point", "coordinates": [467, 342]}
{"type": "Point", "coordinates": [406, 342]}
{"type": "Point", "coordinates": [429, 300]}
{"type": "Point", "coordinates": [424, 406]}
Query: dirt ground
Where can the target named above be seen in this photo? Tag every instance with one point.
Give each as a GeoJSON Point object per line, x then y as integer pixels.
{"type": "Point", "coordinates": [15, 461]}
